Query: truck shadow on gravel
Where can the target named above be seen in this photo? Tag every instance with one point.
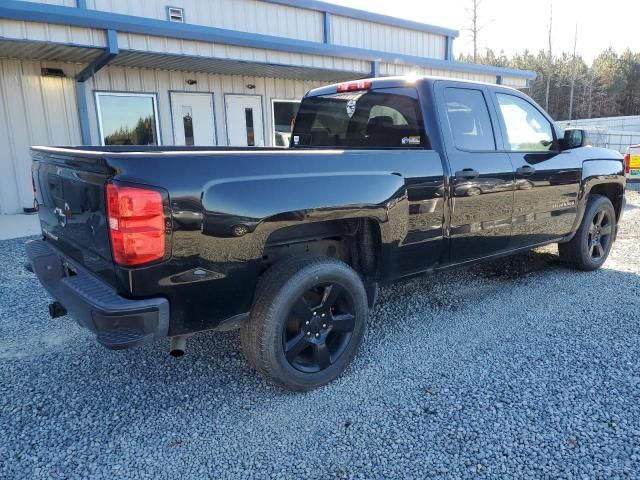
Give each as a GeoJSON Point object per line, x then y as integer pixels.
{"type": "Point", "coordinates": [452, 290]}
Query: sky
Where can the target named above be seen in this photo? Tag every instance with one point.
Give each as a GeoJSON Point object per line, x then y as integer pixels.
{"type": "Point", "coordinates": [516, 25]}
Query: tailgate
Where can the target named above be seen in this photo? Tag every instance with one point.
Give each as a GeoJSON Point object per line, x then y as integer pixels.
{"type": "Point", "coordinates": [70, 191]}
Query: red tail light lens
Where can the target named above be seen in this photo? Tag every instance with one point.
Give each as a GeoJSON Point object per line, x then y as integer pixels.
{"type": "Point", "coordinates": [627, 163]}
{"type": "Point", "coordinates": [136, 224]}
{"type": "Point", "coordinates": [354, 86]}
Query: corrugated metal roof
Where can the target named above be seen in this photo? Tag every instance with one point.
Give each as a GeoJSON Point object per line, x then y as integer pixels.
{"type": "Point", "coordinates": [47, 51]}
{"type": "Point", "coordinates": [133, 58]}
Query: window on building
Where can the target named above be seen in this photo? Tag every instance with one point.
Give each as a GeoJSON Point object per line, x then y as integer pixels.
{"type": "Point", "coordinates": [469, 119]}
{"type": "Point", "coordinates": [251, 134]}
{"type": "Point", "coordinates": [175, 14]}
{"type": "Point", "coordinates": [127, 118]}
{"type": "Point", "coordinates": [381, 118]}
{"type": "Point", "coordinates": [526, 128]}
{"type": "Point", "coordinates": [284, 112]}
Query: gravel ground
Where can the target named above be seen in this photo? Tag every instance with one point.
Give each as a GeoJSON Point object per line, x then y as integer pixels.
{"type": "Point", "coordinates": [515, 369]}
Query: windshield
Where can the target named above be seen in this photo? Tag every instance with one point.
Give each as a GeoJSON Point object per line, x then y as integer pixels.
{"type": "Point", "coordinates": [383, 118]}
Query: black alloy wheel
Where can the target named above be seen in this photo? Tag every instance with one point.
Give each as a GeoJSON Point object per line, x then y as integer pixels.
{"type": "Point", "coordinates": [319, 328]}
{"type": "Point", "coordinates": [307, 321]}
{"type": "Point", "coordinates": [600, 234]}
{"type": "Point", "coordinates": [589, 248]}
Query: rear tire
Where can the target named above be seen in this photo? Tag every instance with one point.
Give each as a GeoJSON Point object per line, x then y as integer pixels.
{"type": "Point", "coordinates": [590, 247]}
{"type": "Point", "coordinates": [307, 322]}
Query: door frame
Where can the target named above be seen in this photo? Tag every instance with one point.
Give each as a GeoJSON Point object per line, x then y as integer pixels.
{"type": "Point", "coordinates": [124, 93]}
{"type": "Point", "coordinates": [226, 117]}
{"type": "Point", "coordinates": [213, 112]}
{"type": "Point", "coordinates": [273, 119]}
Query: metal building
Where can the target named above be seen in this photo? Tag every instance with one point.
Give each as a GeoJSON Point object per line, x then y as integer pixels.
{"type": "Point", "coordinates": [617, 133]}
{"type": "Point", "coordinates": [189, 72]}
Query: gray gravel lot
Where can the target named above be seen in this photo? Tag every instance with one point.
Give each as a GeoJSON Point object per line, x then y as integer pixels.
{"type": "Point", "coordinates": [516, 369]}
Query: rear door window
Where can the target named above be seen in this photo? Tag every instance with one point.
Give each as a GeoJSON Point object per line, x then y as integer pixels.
{"type": "Point", "coordinates": [382, 118]}
{"type": "Point", "coordinates": [469, 119]}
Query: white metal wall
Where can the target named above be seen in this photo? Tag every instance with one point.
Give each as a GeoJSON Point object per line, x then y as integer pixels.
{"type": "Point", "coordinates": [402, 69]}
{"type": "Point", "coordinates": [37, 110]}
{"type": "Point", "coordinates": [48, 32]}
{"type": "Point", "coordinates": [34, 110]}
{"type": "Point", "coordinates": [617, 133]}
{"type": "Point", "coordinates": [243, 15]}
{"type": "Point", "coordinates": [255, 16]}
{"type": "Point", "coordinates": [122, 79]}
{"type": "Point", "coordinates": [64, 3]}
{"type": "Point", "coordinates": [132, 41]}
{"type": "Point", "coordinates": [375, 36]}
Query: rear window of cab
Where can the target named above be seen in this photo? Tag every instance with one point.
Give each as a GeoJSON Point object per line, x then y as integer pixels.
{"type": "Point", "coordinates": [380, 118]}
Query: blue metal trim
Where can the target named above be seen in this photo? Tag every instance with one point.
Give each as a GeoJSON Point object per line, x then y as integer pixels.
{"type": "Point", "coordinates": [375, 69]}
{"type": "Point", "coordinates": [20, 10]}
{"type": "Point", "coordinates": [83, 112]}
{"type": "Point", "coordinates": [327, 27]}
{"type": "Point", "coordinates": [448, 49]}
{"type": "Point", "coordinates": [366, 16]}
{"type": "Point", "coordinates": [213, 112]}
{"type": "Point", "coordinates": [81, 3]}
{"type": "Point", "coordinates": [89, 71]}
{"type": "Point", "coordinates": [105, 57]}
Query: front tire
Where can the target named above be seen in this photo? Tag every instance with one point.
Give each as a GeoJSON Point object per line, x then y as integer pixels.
{"type": "Point", "coordinates": [590, 247]}
{"type": "Point", "coordinates": [307, 322]}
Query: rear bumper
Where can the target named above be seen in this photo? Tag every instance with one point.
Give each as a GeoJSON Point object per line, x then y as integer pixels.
{"type": "Point", "coordinates": [118, 322]}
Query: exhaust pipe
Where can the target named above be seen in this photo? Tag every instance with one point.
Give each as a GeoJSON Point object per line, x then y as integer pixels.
{"type": "Point", "coordinates": [178, 345]}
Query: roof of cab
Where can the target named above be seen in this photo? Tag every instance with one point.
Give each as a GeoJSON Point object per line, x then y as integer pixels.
{"type": "Point", "coordinates": [399, 81]}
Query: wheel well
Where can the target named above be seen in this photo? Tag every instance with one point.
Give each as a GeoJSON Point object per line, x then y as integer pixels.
{"type": "Point", "coordinates": [357, 242]}
{"type": "Point", "coordinates": [613, 191]}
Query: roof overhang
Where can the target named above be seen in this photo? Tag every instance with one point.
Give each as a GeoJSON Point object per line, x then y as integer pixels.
{"type": "Point", "coordinates": [36, 50]}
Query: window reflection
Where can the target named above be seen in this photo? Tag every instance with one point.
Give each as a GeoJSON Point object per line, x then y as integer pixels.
{"type": "Point", "coordinates": [284, 113]}
{"type": "Point", "coordinates": [187, 122]}
{"type": "Point", "coordinates": [248, 118]}
{"type": "Point", "coordinates": [127, 119]}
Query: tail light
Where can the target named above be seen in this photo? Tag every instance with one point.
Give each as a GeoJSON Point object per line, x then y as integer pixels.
{"type": "Point", "coordinates": [136, 224]}
{"type": "Point", "coordinates": [627, 163]}
{"type": "Point", "coordinates": [354, 86]}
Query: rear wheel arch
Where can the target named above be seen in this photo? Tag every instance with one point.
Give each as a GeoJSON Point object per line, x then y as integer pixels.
{"type": "Point", "coordinates": [355, 241]}
{"type": "Point", "coordinates": [613, 191]}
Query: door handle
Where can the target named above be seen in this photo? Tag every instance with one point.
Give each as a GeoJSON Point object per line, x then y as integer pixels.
{"type": "Point", "coordinates": [468, 173]}
{"type": "Point", "coordinates": [526, 170]}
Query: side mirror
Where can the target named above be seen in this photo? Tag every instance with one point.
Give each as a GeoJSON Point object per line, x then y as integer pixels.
{"type": "Point", "coordinates": [574, 138]}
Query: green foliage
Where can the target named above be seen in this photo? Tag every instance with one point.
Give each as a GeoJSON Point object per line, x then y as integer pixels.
{"type": "Point", "coordinates": [609, 87]}
{"type": "Point", "coordinates": [140, 134]}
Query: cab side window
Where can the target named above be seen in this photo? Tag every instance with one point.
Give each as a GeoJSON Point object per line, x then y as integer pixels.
{"type": "Point", "coordinates": [469, 119]}
{"type": "Point", "coordinates": [526, 128]}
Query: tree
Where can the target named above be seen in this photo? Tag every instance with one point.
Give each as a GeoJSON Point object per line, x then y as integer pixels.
{"type": "Point", "coordinates": [573, 89]}
{"type": "Point", "coordinates": [549, 59]}
{"type": "Point", "coordinates": [474, 15]}
{"type": "Point", "coordinates": [573, 73]}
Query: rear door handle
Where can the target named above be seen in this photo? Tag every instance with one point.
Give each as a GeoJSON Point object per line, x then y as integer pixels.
{"type": "Point", "coordinates": [526, 170]}
{"type": "Point", "coordinates": [468, 173]}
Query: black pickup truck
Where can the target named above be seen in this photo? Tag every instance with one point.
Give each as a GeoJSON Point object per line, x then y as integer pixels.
{"type": "Point", "coordinates": [384, 179]}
